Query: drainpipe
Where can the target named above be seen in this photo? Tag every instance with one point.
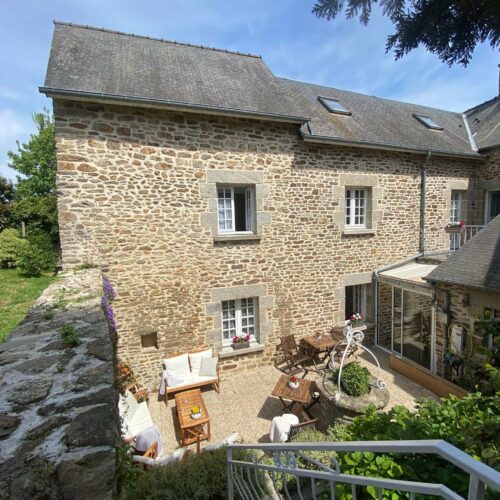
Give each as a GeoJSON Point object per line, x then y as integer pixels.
{"type": "Point", "coordinates": [423, 176]}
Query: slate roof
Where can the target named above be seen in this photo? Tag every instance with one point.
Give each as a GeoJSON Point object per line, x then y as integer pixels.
{"type": "Point", "coordinates": [100, 62]}
{"type": "Point", "coordinates": [484, 121]}
{"type": "Point", "coordinates": [380, 121]}
{"type": "Point", "coordinates": [103, 64]}
{"type": "Point", "coordinates": [476, 264]}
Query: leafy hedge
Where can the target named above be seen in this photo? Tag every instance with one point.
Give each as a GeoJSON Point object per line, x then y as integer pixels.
{"type": "Point", "coordinates": [472, 424]}
{"type": "Point", "coordinates": [198, 476]}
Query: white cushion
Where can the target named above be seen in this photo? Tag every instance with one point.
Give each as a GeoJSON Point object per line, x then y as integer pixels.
{"type": "Point", "coordinates": [177, 382]}
{"type": "Point", "coordinates": [141, 420]}
{"type": "Point", "coordinates": [195, 360]}
{"type": "Point", "coordinates": [201, 379]}
{"type": "Point", "coordinates": [209, 367]}
{"type": "Point", "coordinates": [231, 439]}
{"type": "Point", "coordinates": [177, 368]}
{"type": "Point", "coordinates": [127, 405]}
{"type": "Point", "coordinates": [175, 456]}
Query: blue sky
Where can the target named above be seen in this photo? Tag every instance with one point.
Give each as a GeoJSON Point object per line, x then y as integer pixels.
{"type": "Point", "coordinates": [293, 42]}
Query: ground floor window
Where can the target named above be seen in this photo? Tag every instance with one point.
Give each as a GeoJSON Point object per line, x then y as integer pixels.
{"type": "Point", "coordinates": [406, 324]}
{"type": "Point", "coordinates": [238, 319]}
{"type": "Point", "coordinates": [358, 300]}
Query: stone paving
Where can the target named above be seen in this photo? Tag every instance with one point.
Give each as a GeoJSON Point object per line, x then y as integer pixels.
{"type": "Point", "coordinates": [245, 404]}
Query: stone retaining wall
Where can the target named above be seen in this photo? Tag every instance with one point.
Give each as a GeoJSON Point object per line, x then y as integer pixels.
{"type": "Point", "coordinates": [58, 417]}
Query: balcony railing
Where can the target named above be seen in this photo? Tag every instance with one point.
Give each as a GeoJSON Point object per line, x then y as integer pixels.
{"type": "Point", "coordinates": [457, 240]}
{"type": "Point", "coordinates": [302, 477]}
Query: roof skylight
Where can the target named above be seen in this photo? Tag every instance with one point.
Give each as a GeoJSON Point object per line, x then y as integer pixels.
{"type": "Point", "coordinates": [428, 122]}
{"type": "Point", "coordinates": [334, 106]}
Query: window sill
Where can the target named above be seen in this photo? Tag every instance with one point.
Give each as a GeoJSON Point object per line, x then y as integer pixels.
{"type": "Point", "coordinates": [356, 231]}
{"type": "Point", "coordinates": [237, 237]}
{"type": "Point", "coordinates": [229, 352]}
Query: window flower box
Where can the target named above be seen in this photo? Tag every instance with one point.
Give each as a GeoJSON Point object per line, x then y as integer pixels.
{"type": "Point", "coordinates": [241, 342]}
{"type": "Point", "coordinates": [241, 345]}
{"type": "Point", "coordinates": [454, 227]}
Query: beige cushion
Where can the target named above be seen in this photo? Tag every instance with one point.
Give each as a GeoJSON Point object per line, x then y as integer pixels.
{"type": "Point", "coordinates": [177, 370]}
{"type": "Point", "coordinates": [195, 360]}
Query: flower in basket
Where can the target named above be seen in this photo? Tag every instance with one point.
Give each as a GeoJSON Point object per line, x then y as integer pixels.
{"type": "Point", "coordinates": [356, 319]}
{"type": "Point", "coordinates": [237, 339]}
{"type": "Point", "coordinates": [455, 225]}
{"type": "Point", "coordinates": [293, 382]}
{"type": "Point", "coordinates": [293, 379]}
{"type": "Point", "coordinates": [195, 410]}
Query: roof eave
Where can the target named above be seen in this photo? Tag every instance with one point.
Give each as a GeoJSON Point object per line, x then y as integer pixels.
{"type": "Point", "coordinates": [389, 147]}
{"type": "Point", "coordinates": [457, 283]}
{"type": "Point", "coordinates": [78, 95]}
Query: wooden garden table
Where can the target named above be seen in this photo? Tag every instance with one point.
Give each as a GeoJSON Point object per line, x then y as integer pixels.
{"type": "Point", "coordinates": [191, 430]}
{"type": "Point", "coordinates": [303, 395]}
{"type": "Point", "coordinates": [321, 345]}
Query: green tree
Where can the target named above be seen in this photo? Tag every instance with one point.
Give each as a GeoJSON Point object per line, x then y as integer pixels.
{"type": "Point", "coordinates": [451, 29]}
{"type": "Point", "coordinates": [35, 196]}
{"type": "Point", "coordinates": [7, 192]}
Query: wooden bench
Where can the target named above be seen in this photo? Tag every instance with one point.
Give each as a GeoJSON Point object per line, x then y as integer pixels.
{"type": "Point", "coordinates": [195, 381]}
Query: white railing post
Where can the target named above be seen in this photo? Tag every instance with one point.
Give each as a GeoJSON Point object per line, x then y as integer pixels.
{"type": "Point", "coordinates": [476, 488]}
{"type": "Point", "coordinates": [230, 485]}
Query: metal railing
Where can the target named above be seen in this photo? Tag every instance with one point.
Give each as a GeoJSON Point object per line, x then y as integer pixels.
{"type": "Point", "coordinates": [285, 471]}
{"type": "Point", "coordinates": [457, 240]}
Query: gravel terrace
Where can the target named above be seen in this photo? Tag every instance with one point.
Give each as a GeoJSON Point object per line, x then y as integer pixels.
{"type": "Point", "coordinates": [245, 404]}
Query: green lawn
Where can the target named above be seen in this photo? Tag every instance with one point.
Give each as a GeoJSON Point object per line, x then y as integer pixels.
{"type": "Point", "coordinates": [17, 293]}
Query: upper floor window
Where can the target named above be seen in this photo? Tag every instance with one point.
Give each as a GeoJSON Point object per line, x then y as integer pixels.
{"type": "Point", "coordinates": [356, 203]}
{"type": "Point", "coordinates": [238, 319]}
{"type": "Point", "coordinates": [235, 209]}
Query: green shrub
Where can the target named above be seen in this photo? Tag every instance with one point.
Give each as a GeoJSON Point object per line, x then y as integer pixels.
{"type": "Point", "coordinates": [69, 335]}
{"type": "Point", "coordinates": [355, 380]}
{"type": "Point", "coordinates": [199, 476]}
{"type": "Point", "coordinates": [37, 255]}
{"type": "Point", "coordinates": [11, 246]}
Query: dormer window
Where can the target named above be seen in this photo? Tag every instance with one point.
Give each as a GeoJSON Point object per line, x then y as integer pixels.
{"type": "Point", "coordinates": [334, 106]}
{"type": "Point", "coordinates": [427, 121]}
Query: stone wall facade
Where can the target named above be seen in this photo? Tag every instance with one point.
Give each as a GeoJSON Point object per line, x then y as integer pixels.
{"type": "Point", "coordinates": [462, 306]}
{"type": "Point", "coordinates": [58, 404]}
{"type": "Point", "coordinates": [136, 196]}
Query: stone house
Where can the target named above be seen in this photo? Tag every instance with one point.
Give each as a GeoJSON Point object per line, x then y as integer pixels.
{"type": "Point", "coordinates": [222, 200]}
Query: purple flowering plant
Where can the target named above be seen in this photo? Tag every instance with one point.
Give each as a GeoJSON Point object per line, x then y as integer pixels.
{"type": "Point", "coordinates": [108, 295]}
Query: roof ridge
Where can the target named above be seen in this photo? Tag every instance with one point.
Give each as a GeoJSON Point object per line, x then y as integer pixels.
{"type": "Point", "coordinates": [106, 30]}
{"type": "Point", "coordinates": [485, 103]}
{"type": "Point", "coordinates": [458, 113]}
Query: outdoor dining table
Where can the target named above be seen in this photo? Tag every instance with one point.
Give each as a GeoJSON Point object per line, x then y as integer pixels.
{"type": "Point", "coordinates": [319, 345]}
{"type": "Point", "coordinates": [305, 396]}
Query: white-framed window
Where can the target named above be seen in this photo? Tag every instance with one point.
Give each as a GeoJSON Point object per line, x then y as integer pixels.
{"type": "Point", "coordinates": [238, 319]}
{"type": "Point", "coordinates": [235, 209]}
{"type": "Point", "coordinates": [455, 216]}
{"type": "Point", "coordinates": [492, 208]}
{"type": "Point", "coordinates": [355, 300]}
{"type": "Point", "coordinates": [356, 203]}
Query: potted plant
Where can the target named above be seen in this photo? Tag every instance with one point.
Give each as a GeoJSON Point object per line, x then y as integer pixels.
{"type": "Point", "coordinates": [240, 342]}
{"type": "Point", "coordinates": [356, 320]}
{"type": "Point", "coordinates": [293, 383]}
{"type": "Point", "coordinates": [195, 412]}
{"type": "Point", "coordinates": [454, 227]}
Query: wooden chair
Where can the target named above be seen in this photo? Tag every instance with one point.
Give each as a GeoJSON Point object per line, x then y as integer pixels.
{"type": "Point", "coordinates": [301, 427]}
{"type": "Point", "coordinates": [295, 359]}
{"type": "Point", "coordinates": [152, 451]}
